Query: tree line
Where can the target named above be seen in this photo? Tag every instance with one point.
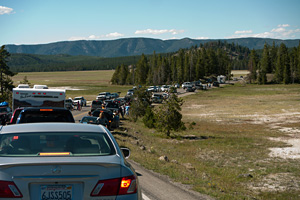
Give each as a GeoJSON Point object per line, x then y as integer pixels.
{"type": "Point", "coordinates": [280, 64]}
{"type": "Point", "coordinates": [275, 65]}
{"type": "Point", "coordinates": [213, 58]}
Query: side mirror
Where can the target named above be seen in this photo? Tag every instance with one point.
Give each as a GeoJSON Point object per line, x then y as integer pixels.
{"type": "Point", "coordinates": [126, 152]}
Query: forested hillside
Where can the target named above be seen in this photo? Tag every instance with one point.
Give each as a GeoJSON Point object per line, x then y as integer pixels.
{"type": "Point", "coordinates": [212, 59]}
{"type": "Point", "coordinates": [31, 62]}
{"type": "Point", "coordinates": [134, 46]}
{"type": "Point", "coordinates": [44, 63]}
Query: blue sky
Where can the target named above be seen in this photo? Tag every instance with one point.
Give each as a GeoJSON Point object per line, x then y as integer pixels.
{"type": "Point", "coordinates": [46, 21]}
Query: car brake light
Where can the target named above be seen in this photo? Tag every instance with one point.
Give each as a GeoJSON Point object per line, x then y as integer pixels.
{"type": "Point", "coordinates": [117, 186]}
{"type": "Point", "coordinates": [128, 185]}
{"type": "Point", "coordinates": [46, 109]}
{"type": "Point", "coordinates": [8, 189]}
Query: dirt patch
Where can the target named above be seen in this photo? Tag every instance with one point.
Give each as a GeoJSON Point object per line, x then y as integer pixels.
{"type": "Point", "coordinates": [277, 183]}
{"type": "Point", "coordinates": [272, 121]}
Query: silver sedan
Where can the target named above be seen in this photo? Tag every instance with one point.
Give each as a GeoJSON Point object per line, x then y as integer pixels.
{"type": "Point", "coordinates": [64, 161]}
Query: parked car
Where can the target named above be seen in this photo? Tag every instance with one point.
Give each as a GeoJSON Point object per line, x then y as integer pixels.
{"type": "Point", "coordinates": [114, 95]}
{"type": "Point", "coordinates": [96, 104]}
{"type": "Point", "coordinates": [157, 98]}
{"type": "Point", "coordinates": [130, 92]}
{"type": "Point", "coordinates": [81, 100]}
{"type": "Point", "coordinates": [44, 114]}
{"type": "Point", "coordinates": [40, 87]}
{"type": "Point", "coordinates": [23, 86]}
{"type": "Point", "coordinates": [108, 114]}
{"type": "Point", "coordinates": [176, 85]}
{"type": "Point", "coordinates": [64, 161]}
{"type": "Point", "coordinates": [112, 106]}
{"type": "Point", "coordinates": [69, 104]}
{"type": "Point", "coordinates": [165, 88]}
{"type": "Point", "coordinates": [190, 89]}
{"type": "Point", "coordinates": [104, 96]}
{"type": "Point", "coordinates": [92, 120]}
{"type": "Point", "coordinates": [216, 84]}
{"type": "Point", "coordinates": [15, 115]}
{"type": "Point", "coordinates": [152, 89]}
{"type": "Point", "coordinates": [120, 101]}
{"type": "Point", "coordinates": [186, 84]}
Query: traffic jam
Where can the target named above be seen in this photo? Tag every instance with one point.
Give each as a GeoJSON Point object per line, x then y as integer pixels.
{"type": "Point", "coordinates": [45, 155]}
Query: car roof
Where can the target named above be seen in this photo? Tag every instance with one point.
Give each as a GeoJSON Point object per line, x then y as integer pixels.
{"type": "Point", "coordinates": [38, 108]}
{"type": "Point", "coordinates": [50, 127]}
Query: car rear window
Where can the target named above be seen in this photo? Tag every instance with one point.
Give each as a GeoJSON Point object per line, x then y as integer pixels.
{"type": "Point", "coordinates": [97, 103]}
{"type": "Point", "coordinates": [56, 144]}
{"type": "Point", "coordinates": [46, 116]}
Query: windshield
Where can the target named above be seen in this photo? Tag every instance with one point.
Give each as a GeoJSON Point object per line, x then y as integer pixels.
{"type": "Point", "coordinates": [35, 116]}
{"type": "Point", "coordinates": [57, 143]}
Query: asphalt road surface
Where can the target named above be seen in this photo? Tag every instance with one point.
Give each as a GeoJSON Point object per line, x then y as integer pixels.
{"type": "Point", "coordinates": [154, 186]}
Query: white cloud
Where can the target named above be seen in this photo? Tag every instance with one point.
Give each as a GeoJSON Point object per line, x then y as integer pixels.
{"type": "Point", "coordinates": [158, 32]}
{"type": "Point", "coordinates": [115, 34]}
{"type": "Point", "coordinates": [5, 10]}
{"type": "Point", "coordinates": [95, 37]}
{"type": "Point", "coordinates": [278, 30]}
{"type": "Point", "coordinates": [283, 25]}
{"type": "Point", "coordinates": [202, 38]}
{"type": "Point", "coordinates": [282, 31]}
{"type": "Point", "coordinates": [243, 32]}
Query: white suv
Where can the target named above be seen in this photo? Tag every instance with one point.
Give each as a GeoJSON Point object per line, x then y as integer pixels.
{"type": "Point", "coordinates": [81, 100]}
{"type": "Point", "coordinates": [186, 84]}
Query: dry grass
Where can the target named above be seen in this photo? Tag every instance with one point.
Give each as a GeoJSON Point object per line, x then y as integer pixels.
{"type": "Point", "coordinates": [232, 157]}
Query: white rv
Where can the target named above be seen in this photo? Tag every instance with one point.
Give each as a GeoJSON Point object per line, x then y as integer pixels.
{"type": "Point", "coordinates": [221, 79]}
{"type": "Point", "coordinates": [28, 97]}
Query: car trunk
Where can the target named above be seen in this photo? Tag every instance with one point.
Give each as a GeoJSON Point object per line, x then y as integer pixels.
{"type": "Point", "coordinates": [62, 177]}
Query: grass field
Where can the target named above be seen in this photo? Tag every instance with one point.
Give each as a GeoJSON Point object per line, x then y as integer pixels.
{"type": "Point", "coordinates": [245, 144]}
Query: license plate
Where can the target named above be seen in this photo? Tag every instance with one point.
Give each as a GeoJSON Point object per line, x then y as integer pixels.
{"type": "Point", "coordinates": [56, 192]}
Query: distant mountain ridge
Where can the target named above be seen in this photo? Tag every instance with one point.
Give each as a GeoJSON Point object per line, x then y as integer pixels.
{"type": "Point", "coordinates": [133, 46]}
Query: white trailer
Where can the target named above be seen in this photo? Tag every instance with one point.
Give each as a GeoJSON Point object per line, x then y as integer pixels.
{"type": "Point", "coordinates": [28, 97]}
{"type": "Point", "coordinates": [221, 79]}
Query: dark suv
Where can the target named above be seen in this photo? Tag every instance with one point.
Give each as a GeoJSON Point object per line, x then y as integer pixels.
{"type": "Point", "coordinates": [96, 104]}
{"type": "Point", "coordinates": [37, 114]}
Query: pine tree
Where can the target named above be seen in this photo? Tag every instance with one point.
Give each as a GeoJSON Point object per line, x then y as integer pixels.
{"type": "Point", "coordinates": [168, 117]}
{"type": "Point", "coordinates": [141, 71]}
{"type": "Point", "coordinates": [123, 74]}
{"type": "Point", "coordinates": [180, 66]}
{"type": "Point", "coordinates": [265, 65]}
{"type": "Point", "coordinates": [282, 64]}
{"type": "Point", "coordinates": [252, 65]}
{"type": "Point", "coordinates": [115, 76]}
{"type": "Point", "coordinates": [6, 82]}
{"type": "Point", "coordinates": [273, 58]}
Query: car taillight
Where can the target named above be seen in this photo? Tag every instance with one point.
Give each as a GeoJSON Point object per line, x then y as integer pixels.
{"type": "Point", "coordinates": [117, 186]}
{"type": "Point", "coordinates": [8, 189]}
